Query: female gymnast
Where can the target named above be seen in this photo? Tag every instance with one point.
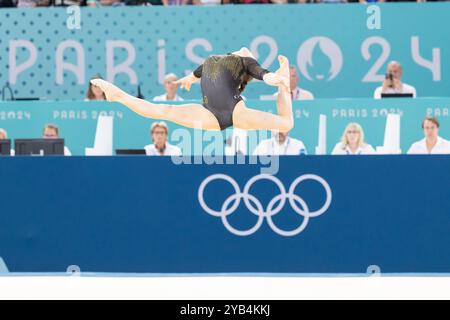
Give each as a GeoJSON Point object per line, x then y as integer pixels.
{"type": "Point", "coordinates": [223, 79]}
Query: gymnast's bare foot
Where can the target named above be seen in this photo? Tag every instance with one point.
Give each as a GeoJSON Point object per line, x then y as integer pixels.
{"type": "Point", "coordinates": [244, 52]}
{"type": "Point", "coordinates": [283, 71]}
{"type": "Point", "coordinates": [112, 93]}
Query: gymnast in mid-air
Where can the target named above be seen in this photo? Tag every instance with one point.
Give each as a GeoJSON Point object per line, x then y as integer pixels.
{"type": "Point", "coordinates": [223, 79]}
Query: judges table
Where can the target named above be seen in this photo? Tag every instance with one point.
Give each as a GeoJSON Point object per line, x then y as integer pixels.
{"type": "Point", "coordinates": [78, 120]}
{"type": "Point", "coordinates": [291, 215]}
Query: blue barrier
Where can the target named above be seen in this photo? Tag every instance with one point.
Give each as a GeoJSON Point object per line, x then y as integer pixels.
{"type": "Point", "coordinates": [145, 215]}
{"type": "Point", "coordinates": [3, 267]}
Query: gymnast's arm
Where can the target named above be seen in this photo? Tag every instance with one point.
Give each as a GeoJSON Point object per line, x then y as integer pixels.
{"type": "Point", "coordinates": [255, 70]}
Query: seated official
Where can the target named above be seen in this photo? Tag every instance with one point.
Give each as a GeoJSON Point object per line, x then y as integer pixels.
{"type": "Point", "coordinates": [280, 144]}
{"type": "Point", "coordinates": [171, 88]}
{"type": "Point", "coordinates": [432, 143]}
{"type": "Point", "coordinates": [51, 131]}
{"type": "Point", "coordinates": [159, 133]}
{"type": "Point", "coordinates": [352, 142]}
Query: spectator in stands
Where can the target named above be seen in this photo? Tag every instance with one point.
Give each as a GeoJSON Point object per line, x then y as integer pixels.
{"type": "Point", "coordinates": [7, 3]}
{"type": "Point", "coordinates": [366, 1]}
{"type": "Point", "coordinates": [253, 1]}
{"type": "Point", "coordinates": [206, 2]}
{"type": "Point", "coordinates": [262, 1]}
{"type": "Point", "coordinates": [331, 1]}
{"type": "Point", "coordinates": [413, 0]}
{"type": "Point", "coordinates": [51, 131]}
{"type": "Point", "coordinates": [94, 93]}
{"type": "Point", "coordinates": [67, 3]}
{"type": "Point", "coordinates": [32, 3]}
{"type": "Point", "coordinates": [297, 93]}
{"type": "Point", "coordinates": [393, 82]}
{"type": "Point", "coordinates": [245, 1]}
{"type": "Point", "coordinates": [280, 144]}
{"type": "Point", "coordinates": [432, 143]}
{"type": "Point", "coordinates": [111, 3]}
{"type": "Point", "coordinates": [352, 142]}
{"type": "Point", "coordinates": [93, 3]}
{"type": "Point", "coordinates": [175, 2]}
{"type": "Point", "coordinates": [171, 89]}
{"type": "Point", "coordinates": [159, 133]}
{"type": "Point", "coordinates": [144, 2]}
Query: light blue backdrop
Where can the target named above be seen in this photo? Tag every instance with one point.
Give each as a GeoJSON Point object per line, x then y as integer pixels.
{"type": "Point", "coordinates": [338, 53]}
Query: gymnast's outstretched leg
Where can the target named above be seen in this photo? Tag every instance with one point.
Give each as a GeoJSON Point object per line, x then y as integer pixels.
{"type": "Point", "coordinates": [251, 119]}
{"type": "Point", "coordinates": [189, 115]}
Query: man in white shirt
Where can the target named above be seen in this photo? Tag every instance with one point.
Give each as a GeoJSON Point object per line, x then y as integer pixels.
{"type": "Point", "coordinates": [432, 143]}
{"type": "Point", "coordinates": [161, 147]}
{"type": "Point", "coordinates": [51, 131]}
{"type": "Point", "coordinates": [171, 89]}
{"type": "Point", "coordinates": [280, 144]}
{"type": "Point", "coordinates": [297, 93]}
{"type": "Point", "coordinates": [393, 82]}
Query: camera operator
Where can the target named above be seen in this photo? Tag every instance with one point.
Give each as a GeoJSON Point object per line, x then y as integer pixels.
{"type": "Point", "coordinates": [393, 82]}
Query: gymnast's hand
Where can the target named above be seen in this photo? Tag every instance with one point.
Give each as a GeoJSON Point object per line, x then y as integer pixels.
{"type": "Point", "coordinates": [112, 93]}
{"type": "Point", "coordinates": [186, 82]}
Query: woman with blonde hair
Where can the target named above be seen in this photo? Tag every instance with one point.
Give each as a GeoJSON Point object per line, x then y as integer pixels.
{"type": "Point", "coordinates": [352, 142]}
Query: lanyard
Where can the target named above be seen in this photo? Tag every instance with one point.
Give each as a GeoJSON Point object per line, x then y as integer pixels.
{"type": "Point", "coordinates": [348, 152]}
{"type": "Point", "coordinates": [285, 147]}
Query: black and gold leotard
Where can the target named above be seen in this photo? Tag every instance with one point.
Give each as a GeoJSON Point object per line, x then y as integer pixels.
{"type": "Point", "coordinates": [223, 79]}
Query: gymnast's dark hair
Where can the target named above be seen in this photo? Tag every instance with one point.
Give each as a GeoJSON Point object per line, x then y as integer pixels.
{"type": "Point", "coordinates": [246, 78]}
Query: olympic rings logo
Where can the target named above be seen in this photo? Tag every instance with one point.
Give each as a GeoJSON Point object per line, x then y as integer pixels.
{"type": "Point", "coordinates": [275, 205]}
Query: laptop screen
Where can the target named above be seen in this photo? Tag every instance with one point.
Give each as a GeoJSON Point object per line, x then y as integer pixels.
{"type": "Point", "coordinates": [396, 95]}
{"type": "Point", "coordinates": [130, 152]}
